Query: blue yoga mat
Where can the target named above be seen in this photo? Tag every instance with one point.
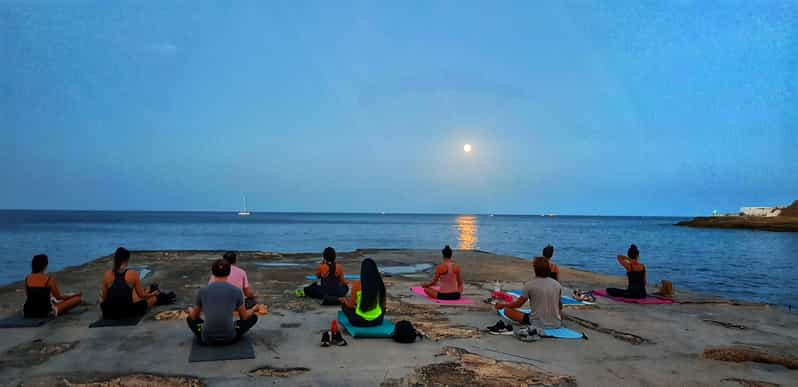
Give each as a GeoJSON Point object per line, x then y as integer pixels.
{"type": "Point", "coordinates": [558, 333]}
{"type": "Point", "coordinates": [381, 331]}
{"type": "Point", "coordinates": [346, 277]}
{"type": "Point", "coordinates": [565, 300]}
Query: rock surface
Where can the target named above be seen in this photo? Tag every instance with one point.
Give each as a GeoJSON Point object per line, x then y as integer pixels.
{"type": "Point", "coordinates": [654, 345]}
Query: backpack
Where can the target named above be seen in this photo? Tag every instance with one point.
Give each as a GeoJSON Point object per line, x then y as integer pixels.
{"type": "Point", "coordinates": [403, 332]}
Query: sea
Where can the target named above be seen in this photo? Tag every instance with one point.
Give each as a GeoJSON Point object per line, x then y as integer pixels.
{"type": "Point", "coordinates": [743, 265]}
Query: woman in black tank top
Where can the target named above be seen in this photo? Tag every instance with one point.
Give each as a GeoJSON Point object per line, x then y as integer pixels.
{"type": "Point", "coordinates": [635, 273]}
{"type": "Point", "coordinates": [117, 295]}
{"type": "Point", "coordinates": [40, 290]}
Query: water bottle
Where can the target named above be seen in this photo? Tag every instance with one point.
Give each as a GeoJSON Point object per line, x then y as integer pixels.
{"type": "Point", "coordinates": [497, 291]}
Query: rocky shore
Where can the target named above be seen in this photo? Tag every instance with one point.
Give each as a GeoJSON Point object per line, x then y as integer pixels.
{"type": "Point", "coordinates": [776, 223]}
{"type": "Point", "coordinates": [787, 220]}
{"type": "Point", "coordinates": [699, 341]}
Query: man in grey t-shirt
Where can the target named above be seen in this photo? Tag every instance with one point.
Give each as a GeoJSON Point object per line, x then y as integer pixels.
{"type": "Point", "coordinates": [217, 302]}
{"type": "Point", "coordinates": [544, 295]}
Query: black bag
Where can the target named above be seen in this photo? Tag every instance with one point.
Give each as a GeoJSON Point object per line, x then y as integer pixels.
{"type": "Point", "coordinates": [403, 332]}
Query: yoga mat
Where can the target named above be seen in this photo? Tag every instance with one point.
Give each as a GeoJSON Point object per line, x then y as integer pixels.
{"type": "Point", "coordinates": [241, 349]}
{"type": "Point", "coordinates": [555, 333]}
{"type": "Point", "coordinates": [566, 301]}
{"type": "Point", "coordinates": [130, 321]}
{"type": "Point", "coordinates": [18, 320]}
{"type": "Point", "coordinates": [348, 277]}
{"type": "Point", "coordinates": [643, 301]}
{"type": "Point", "coordinates": [381, 331]}
{"type": "Point", "coordinates": [462, 301]}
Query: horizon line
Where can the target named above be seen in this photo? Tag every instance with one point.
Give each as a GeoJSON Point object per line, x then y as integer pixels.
{"type": "Point", "coordinates": [233, 211]}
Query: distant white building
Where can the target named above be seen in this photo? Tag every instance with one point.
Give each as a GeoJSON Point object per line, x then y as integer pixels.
{"type": "Point", "coordinates": [760, 211]}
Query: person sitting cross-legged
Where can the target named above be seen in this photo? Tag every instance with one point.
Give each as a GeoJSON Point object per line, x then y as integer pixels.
{"type": "Point", "coordinates": [543, 294]}
{"type": "Point", "coordinates": [448, 275]}
{"type": "Point", "coordinates": [216, 303]}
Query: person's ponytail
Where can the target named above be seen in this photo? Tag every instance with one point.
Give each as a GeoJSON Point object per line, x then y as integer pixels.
{"type": "Point", "coordinates": [121, 256]}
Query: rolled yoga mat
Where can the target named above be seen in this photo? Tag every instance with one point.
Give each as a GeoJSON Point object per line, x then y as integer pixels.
{"type": "Point", "coordinates": [18, 320]}
{"type": "Point", "coordinates": [556, 333]}
{"type": "Point", "coordinates": [419, 291]}
{"type": "Point", "coordinates": [348, 277]}
{"type": "Point", "coordinates": [241, 349]}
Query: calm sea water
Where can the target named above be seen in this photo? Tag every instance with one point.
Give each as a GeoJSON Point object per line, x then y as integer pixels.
{"type": "Point", "coordinates": [737, 264]}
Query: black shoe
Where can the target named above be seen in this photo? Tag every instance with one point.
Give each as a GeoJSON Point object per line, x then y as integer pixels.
{"type": "Point", "coordinates": [500, 328]}
{"type": "Point", "coordinates": [153, 287]}
{"type": "Point", "coordinates": [338, 340]}
{"type": "Point", "coordinates": [325, 339]}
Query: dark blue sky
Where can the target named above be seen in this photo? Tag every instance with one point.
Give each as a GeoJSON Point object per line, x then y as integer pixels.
{"type": "Point", "coordinates": [618, 107]}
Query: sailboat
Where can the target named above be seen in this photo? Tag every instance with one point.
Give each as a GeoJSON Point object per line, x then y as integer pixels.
{"type": "Point", "coordinates": [244, 212]}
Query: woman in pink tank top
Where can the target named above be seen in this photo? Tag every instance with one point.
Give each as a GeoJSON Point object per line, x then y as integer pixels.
{"type": "Point", "coordinates": [448, 275]}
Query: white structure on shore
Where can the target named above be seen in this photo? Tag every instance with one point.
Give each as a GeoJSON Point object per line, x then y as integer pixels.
{"type": "Point", "coordinates": [760, 211]}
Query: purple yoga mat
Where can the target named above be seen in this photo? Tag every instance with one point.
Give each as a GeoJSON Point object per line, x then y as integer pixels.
{"type": "Point", "coordinates": [462, 301]}
{"type": "Point", "coordinates": [642, 301]}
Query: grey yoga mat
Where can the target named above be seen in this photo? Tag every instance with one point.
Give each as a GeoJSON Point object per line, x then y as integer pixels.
{"type": "Point", "coordinates": [18, 320]}
{"type": "Point", "coordinates": [241, 349]}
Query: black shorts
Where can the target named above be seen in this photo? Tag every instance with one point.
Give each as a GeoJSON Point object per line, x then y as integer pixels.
{"type": "Point", "coordinates": [449, 296]}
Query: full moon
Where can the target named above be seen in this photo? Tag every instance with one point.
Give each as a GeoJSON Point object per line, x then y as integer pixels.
{"type": "Point", "coordinates": [467, 148]}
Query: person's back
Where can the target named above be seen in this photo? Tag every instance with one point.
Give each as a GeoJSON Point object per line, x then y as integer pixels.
{"type": "Point", "coordinates": [237, 278]}
{"type": "Point", "coordinates": [120, 290]}
{"type": "Point", "coordinates": [448, 277]}
{"type": "Point", "coordinates": [218, 302]}
{"type": "Point", "coordinates": [38, 293]}
{"type": "Point", "coordinates": [544, 300]}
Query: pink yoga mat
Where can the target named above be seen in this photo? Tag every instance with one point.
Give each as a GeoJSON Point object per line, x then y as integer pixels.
{"type": "Point", "coordinates": [462, 301]}
{"type": "Point", "coordinates": [642, 301]}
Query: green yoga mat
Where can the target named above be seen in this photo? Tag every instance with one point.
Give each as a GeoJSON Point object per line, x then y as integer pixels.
{"type": "Point", "coordinates": [385, 330]}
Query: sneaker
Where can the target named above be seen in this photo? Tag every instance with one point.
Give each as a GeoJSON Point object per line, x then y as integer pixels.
{"type": "Point", "coordinates": [338, 340]}
{"type": "Point", "coordinates": [325, 339]}
{"type": "Point", "coordinates": [500, 328]}
{"type": "Point", "coordinates": [299, 292]}
{"type": "Point", "coordinates": [528, 334]}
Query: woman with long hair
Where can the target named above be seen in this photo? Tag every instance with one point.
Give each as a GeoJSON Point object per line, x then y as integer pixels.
{"type": "Point", "coordinates": [366, 305]}
{"type": "Point", "coordinates": [119, 285]}
{"type": "Point", "coordinates": [40, 290]}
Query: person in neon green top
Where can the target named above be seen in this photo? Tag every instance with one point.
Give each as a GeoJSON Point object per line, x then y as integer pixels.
{"type": "Point", "coordinates": [366, 305]}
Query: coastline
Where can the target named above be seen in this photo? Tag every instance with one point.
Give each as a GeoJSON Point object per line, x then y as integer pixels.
{"type": "Point", "coordinates": [775, 223]}
{"type": "Point", "coordinates": [674, 337]}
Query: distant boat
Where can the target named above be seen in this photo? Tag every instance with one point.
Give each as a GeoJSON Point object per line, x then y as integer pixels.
{"type": "Point", "coordinates": [245, 212]}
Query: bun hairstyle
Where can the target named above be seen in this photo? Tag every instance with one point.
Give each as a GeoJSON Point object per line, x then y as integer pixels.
{"type": "Point", "coordinates": [231, 257]}
{"type": "Point", "coordinates": [446, 252]}
{"type": "Point", "coordinates": [633, 252]}
{"type": "Point", "coordinates": [548, 251]}
{"type": "Point", "coordinates": [220, 268]}
{"type": "Point", "coordinates": [121, 256]}
{"type": "Point", "coordinates": [39, 263]}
